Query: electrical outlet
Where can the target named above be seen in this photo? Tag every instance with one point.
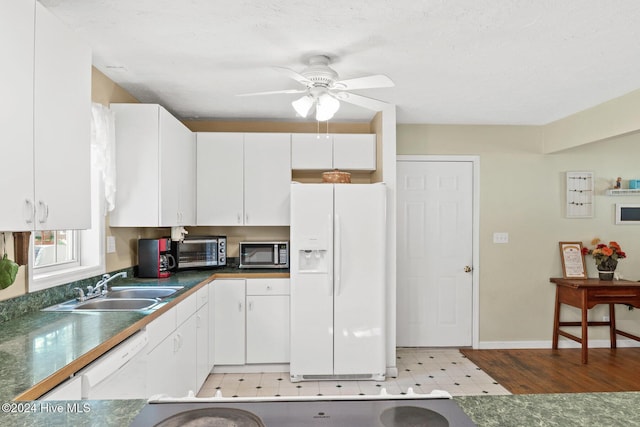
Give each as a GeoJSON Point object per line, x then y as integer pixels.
{"type": "Point", "coordinates": [501, 237]}
{"type": "Point", "coordinates": [111, 244]}
{"type": "Point", "coordinates": [605, 318]}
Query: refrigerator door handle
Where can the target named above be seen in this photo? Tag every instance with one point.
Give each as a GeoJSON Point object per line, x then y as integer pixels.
{"type": "Point", "coordinates": [338, 255]}
{"type": "Point", "coordinates": [329, 258]}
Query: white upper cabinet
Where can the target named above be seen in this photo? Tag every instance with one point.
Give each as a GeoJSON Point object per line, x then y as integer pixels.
{"type": "Point", "coordinates": [243, 179]}
{"type": "Point", "coordinates": [155, 162]}
{"type": "Point", "coordinates": [220, 178]}
{"type": "Point", "coordinates": [354, 151]}
{"type": "Point", "coordinates": [16, 113]}
{"type": "Point", "coordinates": [45, 121]}
{"type": "Point", "coordinates": [267, 178]}
{"type": "Point", "coordinates": [310, 151]}
{"type": "Point", "coordinates": [62, 135]}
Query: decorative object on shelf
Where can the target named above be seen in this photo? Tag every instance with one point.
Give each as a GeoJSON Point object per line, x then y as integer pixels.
{"type": "Point", "coordinates": [606, 257]}
{"type": "Point", "coordinates": [618, 183]}
{"type": "Point", "coordinates": [571, 254]}
{"type": "Point", "coordinates": [579, 195]}
{"type": "Point", "coordinates": [8, 268]}
{"type": "Point", "coordinates": [634, 184]}
{"type": "Point", "coordinates": [336, 177]}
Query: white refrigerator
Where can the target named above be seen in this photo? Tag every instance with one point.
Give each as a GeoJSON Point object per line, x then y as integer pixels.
{"type": "Point", "coordinates": [337, 263]}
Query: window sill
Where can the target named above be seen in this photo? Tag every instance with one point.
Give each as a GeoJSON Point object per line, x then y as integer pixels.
{"type": "Point", "coordinates": [61, 277]}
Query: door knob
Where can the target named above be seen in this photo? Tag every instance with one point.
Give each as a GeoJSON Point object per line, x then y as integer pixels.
{"type": "Point", "coordinates": [467, 269]}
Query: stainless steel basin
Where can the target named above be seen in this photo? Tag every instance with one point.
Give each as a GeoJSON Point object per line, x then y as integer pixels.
{"type": "Point", "coordinates": [142, 292]}
{"type": "Point", "coordinates": [117, 304]}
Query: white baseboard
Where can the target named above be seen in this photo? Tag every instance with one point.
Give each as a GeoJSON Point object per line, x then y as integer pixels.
{"type": "Point", "coordinates": [250, 369]}
{"type": "Point", "coordinates": [504, 345]}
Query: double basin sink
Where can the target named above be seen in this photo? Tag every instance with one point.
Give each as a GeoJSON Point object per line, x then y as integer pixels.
{"type": "Point", "coordinates": [121, 298]}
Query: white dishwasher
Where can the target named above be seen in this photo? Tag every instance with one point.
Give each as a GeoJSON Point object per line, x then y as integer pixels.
{"type": "Point", "coordinates": [119, 374]}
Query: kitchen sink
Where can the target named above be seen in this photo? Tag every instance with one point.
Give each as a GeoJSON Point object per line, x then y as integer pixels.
{"type": "Point", "coordinates": [142, 292]}
{"type": "Point", "coordinates": [117, 304]}
{"type": "Point", "coordinates": [106, 304]}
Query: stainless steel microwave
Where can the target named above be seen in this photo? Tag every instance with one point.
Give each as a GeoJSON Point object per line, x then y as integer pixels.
{"type": "Point", "coordinates": [200, 251]}
{"type": "Point", "coordinates": [264, 255]}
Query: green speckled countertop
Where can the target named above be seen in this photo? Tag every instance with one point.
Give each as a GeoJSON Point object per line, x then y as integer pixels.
{"type": "Point", "coordinates": [554, 410]}
{"type": "Point", "coordinates": [37, 345]}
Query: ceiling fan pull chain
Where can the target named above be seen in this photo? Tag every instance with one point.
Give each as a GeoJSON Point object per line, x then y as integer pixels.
{"type": "Point", "coordinates": [318, 129]}
{"type": "Point", "coordinates": [327, 129]}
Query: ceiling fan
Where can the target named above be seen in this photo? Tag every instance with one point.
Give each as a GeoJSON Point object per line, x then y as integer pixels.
{"type": "Point", "coordinates": [324, 90]}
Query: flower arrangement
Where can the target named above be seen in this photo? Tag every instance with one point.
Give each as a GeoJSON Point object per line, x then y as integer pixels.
{"type": "Point", "coordinates": [605, 256]}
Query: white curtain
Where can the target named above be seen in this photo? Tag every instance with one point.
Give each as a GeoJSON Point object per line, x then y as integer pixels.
{"type": "Point", "coordinates": [103, 150]}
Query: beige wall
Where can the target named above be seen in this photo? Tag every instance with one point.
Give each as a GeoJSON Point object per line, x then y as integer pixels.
{"type": "Point", "coordinates": [522, 193]}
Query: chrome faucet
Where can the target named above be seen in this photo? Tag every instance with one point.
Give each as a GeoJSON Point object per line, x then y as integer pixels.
{"type": "Point", "coordinates": [81, 296]}
{"type": "Point", "coordinates": [101, 287]}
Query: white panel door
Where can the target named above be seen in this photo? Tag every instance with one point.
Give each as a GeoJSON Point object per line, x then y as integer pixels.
{"type": "Point", "coordinates": [220, 178]}
{"type": "Point", "coordinates": [435, 226]}
{"type": "Point", "coordinates": [311, 284]}
{"type": "Point", "coordinates": [359, 285]}
{"type": "Point", "coordinates": [16, 113]}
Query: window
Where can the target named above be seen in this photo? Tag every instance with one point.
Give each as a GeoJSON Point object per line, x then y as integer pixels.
{"type": "Point", "coordinates": [55, 249]}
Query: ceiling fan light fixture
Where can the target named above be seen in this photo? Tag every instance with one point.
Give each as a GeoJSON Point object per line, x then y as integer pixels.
{"type": "Point", "coordinates": [327, 107]}
{"type": "Point", "coordinates": [303, 105]}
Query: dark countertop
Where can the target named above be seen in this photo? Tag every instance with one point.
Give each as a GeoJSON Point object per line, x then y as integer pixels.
{"type": "Point", "coordinates": [45, 346]}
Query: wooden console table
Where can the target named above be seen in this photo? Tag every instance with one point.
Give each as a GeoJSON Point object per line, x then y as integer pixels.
{"type": "Point", "coordinates": [587, 293]}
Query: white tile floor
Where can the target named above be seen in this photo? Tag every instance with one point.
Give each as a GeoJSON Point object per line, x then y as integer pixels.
{"type": "Point", "coordinates": [423, 369]}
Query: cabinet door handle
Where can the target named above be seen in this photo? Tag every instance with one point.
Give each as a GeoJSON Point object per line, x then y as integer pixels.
{"type": "Point", "coordinates": [251, 306]}
{"type": "Point", "coordinates": [44, 212]}
{"type": "Point", "coordinates": [239, 219]}
{"type": "Point", "coordinates": [176, 344]}
{"type": "Point", "coordinates": [239, 306]}
{"type": "Point", "coordinates": [29, 210]}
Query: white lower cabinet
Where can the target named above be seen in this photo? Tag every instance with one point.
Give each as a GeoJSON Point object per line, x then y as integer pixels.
{"type": "Point", "coordinates": [229, 321]}
{"type": "Point", "coordinates": [172, 362]}
{"type": "Point", "coordinates": [251, 321]}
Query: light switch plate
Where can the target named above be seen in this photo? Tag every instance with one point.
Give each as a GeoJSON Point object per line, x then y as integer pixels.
{"type": "Point", "coordinates": [111, 244]}
{"type": "Point", "coordinates": [501, 237]}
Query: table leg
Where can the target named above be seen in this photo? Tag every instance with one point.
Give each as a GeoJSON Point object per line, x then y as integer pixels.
{"type": "Point", "coordinates": [556, 321]}
{"type": "Point", "coordinates": [585, 328]}
{"type": "Point", "coordinates": [612, 325]}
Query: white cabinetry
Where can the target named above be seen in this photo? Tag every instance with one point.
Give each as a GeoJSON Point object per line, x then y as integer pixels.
{"type": "Point", "coordinates": [229, 322]}
{"type": "Point", "coordinates": [267, 178]}
{"type": "Point", "coordinates": [202, 337]}
{"type": "Point", "coordinates": [156, 168]}
{"type": "Point", "coordinates": [68, 390]}
{"type": "Point", "coordinates": [252, 325]}
{"type": "Point", "coordinates": [16, 113]}
{"type": "Point", "coordinates": [45, 121]}
{"type": "Point", "coordinates": [172, 362]}
{"type": "Point", "coordinates": [243, 179]}
{"type": "Point", "coordinates": [333, 151]}
{"type": "Point", "coordinates": [267, 320]}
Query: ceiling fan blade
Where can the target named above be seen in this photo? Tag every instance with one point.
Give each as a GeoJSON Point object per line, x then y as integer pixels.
{"type": "Point", "coordinates": [367, 82]}
{"type": "Point", "coordinates": [273, 92]}
{"type": "Point", "coordinates": [294, 75]}
{"type": "Point", "coordinates": [361, 101]}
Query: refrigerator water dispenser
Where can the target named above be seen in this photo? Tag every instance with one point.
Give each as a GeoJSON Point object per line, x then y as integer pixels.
{"type": "Point", "coordinates": [312, 261]}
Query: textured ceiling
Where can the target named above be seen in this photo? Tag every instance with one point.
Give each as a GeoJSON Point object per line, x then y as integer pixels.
{"type": "Point", "coordinates": [453, 61]}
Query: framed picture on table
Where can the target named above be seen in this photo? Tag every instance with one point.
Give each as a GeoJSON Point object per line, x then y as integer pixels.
{"type": "Point", "coordinates": [572, 260]}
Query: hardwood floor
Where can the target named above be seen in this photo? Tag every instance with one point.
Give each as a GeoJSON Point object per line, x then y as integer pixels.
{"type": "Point", "coordinates": [560, 371]}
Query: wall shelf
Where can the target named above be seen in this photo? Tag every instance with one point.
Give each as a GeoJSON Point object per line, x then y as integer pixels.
{"type": "Point", "coordinates": [623, 192]}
